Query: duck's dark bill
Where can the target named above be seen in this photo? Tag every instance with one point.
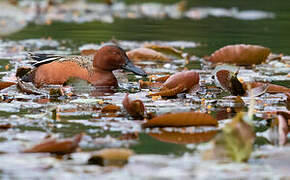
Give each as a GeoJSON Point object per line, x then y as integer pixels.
{"type": "Point", "coordinates": [129, 66]}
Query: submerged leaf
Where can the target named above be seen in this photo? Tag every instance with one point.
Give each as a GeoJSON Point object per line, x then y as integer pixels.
{"type": "Point", "coordinates": [54, 145]}
{"type": "Point", "coordinates": [111, 157]}
{"type": "Point", "coordinates": [182, 119]}
{"type": "Point", "coordinates": [240, 54]}
{"type": "Point", "coordinates": [183, 137]}
{"type": "Point", "coordinates": [146, 54]}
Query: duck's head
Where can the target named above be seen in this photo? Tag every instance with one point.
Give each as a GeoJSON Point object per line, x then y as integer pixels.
{"type": "Point", "coordinates": [111, 57]}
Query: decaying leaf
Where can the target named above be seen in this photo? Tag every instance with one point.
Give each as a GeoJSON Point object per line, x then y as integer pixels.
{"type": "Point", "coordinates": [111, 157]}
{"type": "Point", "coordinates": [29, 88]}
{"type": "Point", "coordinates": [240, 54]}
{"type": "Point", "coordinates": [235, 141]}
{"type": "Point", "coordinates": [56, 92]}
{"type": "Point", "coordinates": [184, 81]}
{"type": "Point", "coordinates": [135, 108]}
{"type": "Point", "coordinates": [146, 54]}
{"type": "Point", "coordinates": [53, 145]}
{"type": "Point", "coordinates": [228, 80]}
{"type": "Point", "coordinates": [111, 108]}
{"type": "Point", "coordinates": [4, 85]}
{"type": "Point", "coordinates": [168, 50]}
{"type": "Point", "coordinates": [182, 119]}
{"type": "Point", "coordinates": [183, 137]}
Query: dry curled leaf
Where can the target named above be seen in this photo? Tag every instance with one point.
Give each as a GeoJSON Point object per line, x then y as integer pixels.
{"type": "Point", "coordinates": [111, 157]}
{"type": "Point", "coordinates": [146, 54]}
{"type": "Point", "coordinates": [182, 119]}
{"type": "Point", "coordinates": [183, 138]}
{"type": "Point", "coordinates": [240, 54]}
{"type": "Point", "coordinates": [135, 108]}
{"type": "Point", "coordinates": [53, 145]}
{"type": "Point", "coordinates": [4, 85]}
{"type": "Point", "coordinates": [228, 80]}
{"type": "Point", "coordinates": [180, 82]}
{"type": "Point", "coordinates": [29, 88]}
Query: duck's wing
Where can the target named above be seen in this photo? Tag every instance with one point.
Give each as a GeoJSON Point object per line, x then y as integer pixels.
{"type": "Point", "coordinates": [39, 59]}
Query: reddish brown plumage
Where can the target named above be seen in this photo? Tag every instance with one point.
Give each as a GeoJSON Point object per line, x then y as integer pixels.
{"type": "Point", "coordinates": [96, 70]}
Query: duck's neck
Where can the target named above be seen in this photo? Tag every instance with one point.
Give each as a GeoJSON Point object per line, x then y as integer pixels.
{"type": "Point", "coordinates": [101, 77]}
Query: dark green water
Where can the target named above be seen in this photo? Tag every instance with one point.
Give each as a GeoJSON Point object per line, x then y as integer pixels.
{"type": "Point", "coordinates": [211, 32]}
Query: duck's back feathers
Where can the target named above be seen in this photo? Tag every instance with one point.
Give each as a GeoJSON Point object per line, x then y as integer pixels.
{"type": "Point", "coordinates": [40, 59]}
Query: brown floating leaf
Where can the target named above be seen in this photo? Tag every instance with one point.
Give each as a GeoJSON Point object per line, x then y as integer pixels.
{"type": "Point", "coordinates": [111, 157]}
{"type": "Point", "coordinates": [135, 108]}
{"type": "Point", "coordinates": [240, 54]}
{"type": "Point", "coordinates": [168, 50]}
{"type": "Point", "coordinates": [54, 145]}
{"type": "Point", "coordinates": [162, 78]}
{"type": "Point", "coordinates": [271, 88]}
{"type": "Point", "coordinates": [179, 82]}
{"type": "Point", "coordinates": [88, 52]}
{"type": "Point", "coordinates": [146, 54]}
{"type": "Point", "coordinates": [189, 79]}
{"type": "Point", "coordinates": [4, 85]}
{"type": "Point", "coordinates": [256, 90]}
{"type": "Point", "coordinates": [5, 125]}
{"type": "Point", "coordinates": [111, 108]}
{"type": "Point", "coordinates": [182, 119]}
{"type": "Point", "coordinates": [228, 80]}
{"type": "Point", "coordinates": [183, 138]}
